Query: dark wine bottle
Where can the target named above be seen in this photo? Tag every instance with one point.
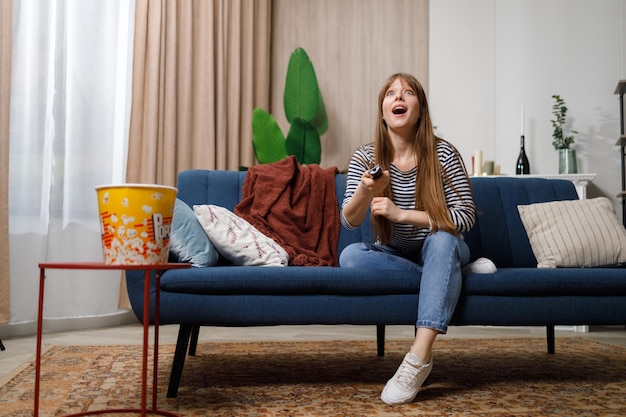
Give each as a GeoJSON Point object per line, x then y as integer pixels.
{"type": "Point", "coordinates": [522, 166]}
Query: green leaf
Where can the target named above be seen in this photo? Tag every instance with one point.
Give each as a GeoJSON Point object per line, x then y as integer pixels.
{"type": "Point", "coordinates": [267, 138]}
{"type": "Point", "coordinates": [303, 142]}
{"type": "Point", "coordinates": [301, 96]}
{"type": "Point", "coordinates": [320, 121]}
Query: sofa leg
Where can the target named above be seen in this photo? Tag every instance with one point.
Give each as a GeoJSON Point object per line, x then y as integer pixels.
{"type": "Point", "coordinates": [550, 337]}
{"type": "Point", "coordinates": [380, 339]}
{"type": "Point", "coordinates": [195, 332]}
{"type": "Point", "coordinates": [184, 333]}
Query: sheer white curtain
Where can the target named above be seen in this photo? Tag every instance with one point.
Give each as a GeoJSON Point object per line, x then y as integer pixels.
{"type": "Point", "coordinates": [70, 107]}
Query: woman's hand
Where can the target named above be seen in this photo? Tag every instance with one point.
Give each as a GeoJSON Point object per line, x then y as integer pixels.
{"type": "Point", "coordinates": [355, 210]}
{"type": "Point", "coordinates": [375, 186]}
{"type": "Point", "coordinates": [383, 206]}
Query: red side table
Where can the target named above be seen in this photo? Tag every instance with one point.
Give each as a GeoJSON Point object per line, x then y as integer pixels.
{"type": "Point", "coordinates": [159, 269]}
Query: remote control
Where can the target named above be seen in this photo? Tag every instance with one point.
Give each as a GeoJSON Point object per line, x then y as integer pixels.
{"type": "Point", "coordinates": [376, 172]}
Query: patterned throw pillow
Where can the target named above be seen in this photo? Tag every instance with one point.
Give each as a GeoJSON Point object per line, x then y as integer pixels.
{"type": "Point", "coordinates": [576, 233]}
{"type": "Point", "coordinates": [237, 240]}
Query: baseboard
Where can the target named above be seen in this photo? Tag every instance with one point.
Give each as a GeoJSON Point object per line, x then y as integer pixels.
{"type": "Point", "coordinates": [118, 318]}
{"type": "Point", "coordinates": [577, 329]}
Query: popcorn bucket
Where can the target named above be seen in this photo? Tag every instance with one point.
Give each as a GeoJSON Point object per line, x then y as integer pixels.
{"type": "Point", "coordinates": [135, 222]}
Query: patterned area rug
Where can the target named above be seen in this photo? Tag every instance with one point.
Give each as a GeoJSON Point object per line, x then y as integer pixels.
{"type": "Point", "coordinates": [471, 377]}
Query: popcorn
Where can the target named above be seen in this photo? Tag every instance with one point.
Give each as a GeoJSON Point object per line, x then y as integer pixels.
{"type": "Point", "coordinates": [126, 219]}
{"type": "Point", "coordinates": [135, 222]}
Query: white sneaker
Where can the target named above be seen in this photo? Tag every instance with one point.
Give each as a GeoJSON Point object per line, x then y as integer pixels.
{"type": "Point", "coordinates": [480, 266]}
{"type": "Point", "coordinates": [404, 385]}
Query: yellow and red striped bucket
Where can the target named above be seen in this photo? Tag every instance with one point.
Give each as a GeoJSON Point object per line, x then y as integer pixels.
{"type": "Point", "coordinates": [135, 222]}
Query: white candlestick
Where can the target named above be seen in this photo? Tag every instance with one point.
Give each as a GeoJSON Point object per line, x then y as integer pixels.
{"type": "Point", "coordinates": [522, 120]}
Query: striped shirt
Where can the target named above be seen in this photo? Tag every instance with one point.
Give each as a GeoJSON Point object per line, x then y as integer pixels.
{"type": "Point", "coordinates": [405, 237]}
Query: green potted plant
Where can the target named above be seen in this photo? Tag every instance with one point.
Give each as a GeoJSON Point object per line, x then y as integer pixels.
{"type": "Point", "coordinates": [561, 142]}
{"type": "Point", "coordinates": [305, 111]}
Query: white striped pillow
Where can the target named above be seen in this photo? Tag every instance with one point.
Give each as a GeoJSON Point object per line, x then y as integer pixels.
{"type": "Point", "coordinates": [576, 233]}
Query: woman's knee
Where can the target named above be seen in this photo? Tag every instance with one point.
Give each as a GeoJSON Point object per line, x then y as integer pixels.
{"type": "Point", "coordinates": [351, 254]}
{"type": "Point", "coordinates": [441, 241]}
{"type": "Point", "coordinates": [447, 244]}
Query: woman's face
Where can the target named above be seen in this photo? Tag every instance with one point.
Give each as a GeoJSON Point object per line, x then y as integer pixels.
{"type": "Point", "coordinates": [400, 106]}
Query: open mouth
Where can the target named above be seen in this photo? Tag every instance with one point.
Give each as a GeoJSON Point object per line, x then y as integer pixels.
{"type": "Point", "coordinates": [398, 110]}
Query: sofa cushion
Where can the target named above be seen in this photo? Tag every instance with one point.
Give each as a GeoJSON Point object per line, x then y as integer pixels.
{"type": "Point", "coordinates": [319, 280]}
{"type": "Point", "coordinates": [237, 240]}
{"type": "Point", "coordinates": [291, 280]}
{"type": "Point", "coordinates": [579, 233]}
{"type": "Point", "coordinates": [547, 282]}
{"type": "Point", "coordinates": [188, 241]}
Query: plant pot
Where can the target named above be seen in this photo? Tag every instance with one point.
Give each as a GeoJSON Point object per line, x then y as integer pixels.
{"type": "Point", "coordinates": [567, 161]}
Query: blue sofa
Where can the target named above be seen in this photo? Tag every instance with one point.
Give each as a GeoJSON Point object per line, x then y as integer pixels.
{"type": "Point", "coordinates": [518, 294]}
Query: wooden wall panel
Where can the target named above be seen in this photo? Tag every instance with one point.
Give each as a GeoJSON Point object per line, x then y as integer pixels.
{"type": "Point", "coordinates": [354, 46]}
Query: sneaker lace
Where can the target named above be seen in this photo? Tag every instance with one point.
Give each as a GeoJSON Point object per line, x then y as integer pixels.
{"type": "Point", "coordinates": [407, 374]}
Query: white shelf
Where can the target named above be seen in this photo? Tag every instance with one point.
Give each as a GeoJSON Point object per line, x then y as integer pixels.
{"type": "Point", "coordinates": [570, 177]}
{"type": "Point", "coordinates": [580, 180]}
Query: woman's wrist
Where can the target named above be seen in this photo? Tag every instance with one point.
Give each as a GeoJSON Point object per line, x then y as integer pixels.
{"type": "Point", "coordinates": [362, 188]}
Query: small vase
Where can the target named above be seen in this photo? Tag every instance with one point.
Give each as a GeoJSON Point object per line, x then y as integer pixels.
{"type": "Point", "coordinates": [567, 161]}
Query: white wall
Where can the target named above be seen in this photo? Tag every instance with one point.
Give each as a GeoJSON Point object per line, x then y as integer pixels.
{"type": "Point", "coordinates": [490, 57]}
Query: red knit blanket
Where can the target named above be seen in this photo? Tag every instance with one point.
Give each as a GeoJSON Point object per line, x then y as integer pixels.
{"type": "Point", "coordinates": [296, 206]}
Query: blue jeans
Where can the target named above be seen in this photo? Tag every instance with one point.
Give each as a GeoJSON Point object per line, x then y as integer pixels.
{"type": "Point", "coordinates": [439, 262]}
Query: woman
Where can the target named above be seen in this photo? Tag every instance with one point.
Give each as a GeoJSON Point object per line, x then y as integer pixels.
{"type": "Point", "coordinates": [420, 206]}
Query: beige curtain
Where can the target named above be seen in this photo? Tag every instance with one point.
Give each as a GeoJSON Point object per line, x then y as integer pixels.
{"type": "Point", "coordinates": [200, 68]}
{"type": "Point", "coordinates": [5, 94]}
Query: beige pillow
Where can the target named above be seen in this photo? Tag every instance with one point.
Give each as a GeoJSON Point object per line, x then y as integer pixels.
{"type": "Point", "coordinates": [237, 240]}
{"type": "Point", "coordinates": [576, 233]}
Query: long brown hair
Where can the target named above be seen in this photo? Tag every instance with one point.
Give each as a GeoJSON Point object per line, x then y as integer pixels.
{"type": "Point", "coordinates": [429, 194]}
